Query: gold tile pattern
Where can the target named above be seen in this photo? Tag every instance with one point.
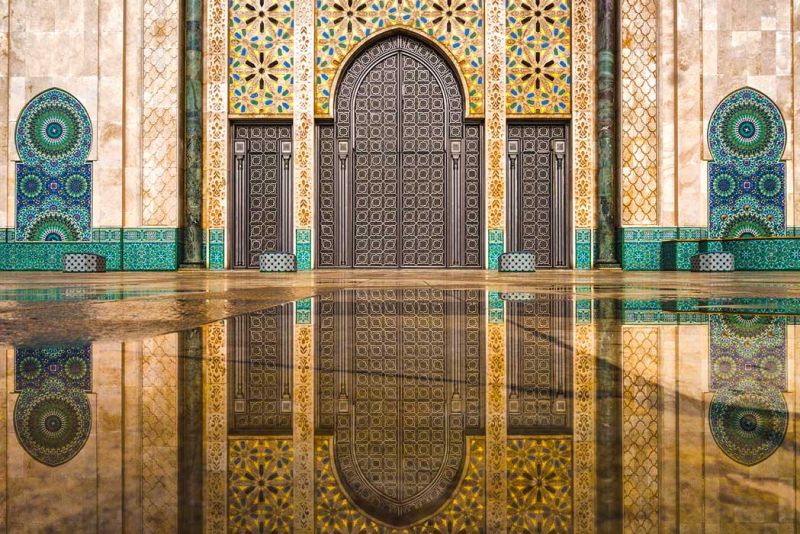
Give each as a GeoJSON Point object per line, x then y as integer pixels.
{"type": "Point", "coordinates": [464, 513]}
{"type": "Point", "coordinates": [639, 111]}
{"type": "Point", "coordinates": [640, 429]}
{"type": "Point", "coordinates": [304, 159]}
{"type": "Point", "coordinates": [539, 485]}
{"type": "Point", "coordinates": [584, 421]}
{"type": "Point", "coordinates": [539, 46]}
{"type": "Point", "coordinates": [260, 485]}
{"type": "Point", "coordinates": [495, 114]}
{"type": "Point", "coordinates": [303, 427]}
{"type": "Point", "coordinates": [456, 26]}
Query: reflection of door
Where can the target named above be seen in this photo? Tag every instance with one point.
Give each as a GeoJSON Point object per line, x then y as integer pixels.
{"type": "Point", "coordinates": [398, 184]}
{"type": "Point", "coordinates": [539, 207]}
{"type": "Point", "coordinates": [262, 219]}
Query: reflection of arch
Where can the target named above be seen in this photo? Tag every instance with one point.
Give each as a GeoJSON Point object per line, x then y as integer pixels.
{"type": "Point", "coordinates": [366, 43]}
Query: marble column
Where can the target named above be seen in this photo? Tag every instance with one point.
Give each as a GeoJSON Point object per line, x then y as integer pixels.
{"type": "Point", "coordinates": [608, 410]}
{"type": "Point", "coordinates": [606, 134]}
{"type": "Point", "coordinates": [191, 254]}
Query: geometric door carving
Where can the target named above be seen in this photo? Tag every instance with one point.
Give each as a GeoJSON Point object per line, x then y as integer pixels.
{"type": "Point", "coordinates": [262, 189]}
{"type": "Point", "coordinates": [539, 192]}
{"type": "Point", "coordinates": [399, 180]}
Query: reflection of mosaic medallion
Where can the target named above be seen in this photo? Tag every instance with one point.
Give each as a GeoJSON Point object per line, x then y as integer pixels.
{"type": "Point", "coordinates": [748, 421]}
{"type": "Point", "coordinates": [52, 423]}
{"type": "Point", "coordinates": [54, 130]}
{"type": "Point", "coordinates": [52, 226]}
{"type": "Point", "coordinates": [746, 126]}
{"type": "Point", "coordinates": [30, 368]}
{"type": "Point", "coordinates": [748, 326]}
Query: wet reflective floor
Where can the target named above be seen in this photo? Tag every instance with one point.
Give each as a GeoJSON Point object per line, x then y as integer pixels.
{"type": "Point", "coordinates": [416, 409]}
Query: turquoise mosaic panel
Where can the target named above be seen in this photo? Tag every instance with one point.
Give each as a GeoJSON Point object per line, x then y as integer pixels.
{"type": "Point", "coordinates": [765, 254]}
{"type": "Point", "coordinates": [583, 310]}
{"type": "Point", "coordinates": [653, 248]}
{"type": "Point", "coordinates": [216, 249]}
{"type": "Point", "coordinates": [497, 245]}
{"type": "Point", "coordinates": [583, 249]}
{"type": "Point", "coordinates": [302, 311]}
{"type": "Point", "coordinates": [303, 249]}
{"type": "Point", "coordinates": [134, 249]}
{"type": "Point", "coordinates": [150, 249]}
{"type": "Point", "coordinates": [496, 308]}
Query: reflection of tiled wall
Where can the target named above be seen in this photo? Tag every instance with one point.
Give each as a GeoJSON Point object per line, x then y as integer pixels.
{"type": "Point", "coordinates": [538, 57]}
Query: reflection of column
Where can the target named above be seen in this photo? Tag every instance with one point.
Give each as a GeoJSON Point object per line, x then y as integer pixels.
{"type": "Point", "coordinates": [495, 157]}
{"type": "Point", "coordinates": [160, 433]}
{"type": "Point", "coordinates": [584, 453]}
{"type": "Point", "coordinates": [190, 430]}
{"type": "Point", "coordinates": [216, 427]}
{"type": "Point", "coordinates": [132, 435]}
{"type": "Point", "coordinates": [303, 130]}
{"type": "Point", "coordinates": [496, 422]}
{"type": "Point", "coordinates": [640, 469]}
{"type": "Point", "coordinates": [303, 418]}
{"type": "Point", "coordinates": [609, 416]}
{"type": "Point", "coordinates": [6, 385]}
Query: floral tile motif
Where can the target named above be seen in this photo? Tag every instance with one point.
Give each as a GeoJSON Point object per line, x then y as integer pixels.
{"type": "Point", "coordinates": [260, 57]}
{"type": "Point", "coordinates": [539, 485]}
{"type": "Point", "coordinates": [342, 24]}
{"type": "Point", "coordinates": [538, 56]}
{"type": "Point", "coordinates": [260, 485]}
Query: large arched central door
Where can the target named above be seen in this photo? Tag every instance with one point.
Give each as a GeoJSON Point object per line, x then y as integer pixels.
{"type": "Point", "coordinates": [399, 170]}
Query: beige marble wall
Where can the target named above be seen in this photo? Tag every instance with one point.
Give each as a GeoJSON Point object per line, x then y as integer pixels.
{"type": "Point", "coordinates": [708, 49]}
{"type": "Point", "coordinates": [122, 61]}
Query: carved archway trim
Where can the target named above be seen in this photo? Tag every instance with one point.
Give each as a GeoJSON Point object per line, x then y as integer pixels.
{"type": "Point", "coordinates": [385, 33]}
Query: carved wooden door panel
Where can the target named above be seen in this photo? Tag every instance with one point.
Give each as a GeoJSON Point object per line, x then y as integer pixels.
{"type": "Point", "coordinates": [261, 191]}
{"type": "Point", "coordinates": [539, 207]}
{"type": "Point", "coordinates": [399, 171]}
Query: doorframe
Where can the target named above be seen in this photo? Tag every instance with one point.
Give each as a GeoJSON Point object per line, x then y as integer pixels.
{"type": "Point", "coordinates": [286, 228]}
{"type": "Point", "coordinates": [512, 189]}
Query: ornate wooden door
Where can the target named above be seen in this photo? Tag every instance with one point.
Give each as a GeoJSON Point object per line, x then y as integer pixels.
{"type": "Point", "coordinates": [539, 192]}
{"type": "Point", "coordinates": [262, 189]}
{"type": "Point", "coordinates": [400, 178]}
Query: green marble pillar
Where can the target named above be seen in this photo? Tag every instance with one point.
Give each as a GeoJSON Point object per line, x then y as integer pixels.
{"type": "Point", "coordinates": [191, 255]}
{"type": "Point", "coordinates": [606, 135]}
{"type": "Point", "coordinates": [190, 431]}
{"type": "Point", "coordinates": [608, 412]}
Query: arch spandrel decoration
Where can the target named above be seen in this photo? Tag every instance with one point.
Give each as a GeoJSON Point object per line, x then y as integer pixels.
{"type": "Point", "coordinates": [54, 180]}
{"type": "Point", "coordinates": [747, 179]}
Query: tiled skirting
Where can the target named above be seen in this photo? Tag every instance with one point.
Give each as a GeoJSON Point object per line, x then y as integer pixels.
{"type": "Point", "coordinates": [128, 249]}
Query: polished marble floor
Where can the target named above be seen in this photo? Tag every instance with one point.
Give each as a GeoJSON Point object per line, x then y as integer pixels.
{"type": "Point", "coordinates": [399, 401]}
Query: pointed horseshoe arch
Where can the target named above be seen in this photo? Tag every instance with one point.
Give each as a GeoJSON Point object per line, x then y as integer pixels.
{"type": "Point", "coordinates": [400, 176]}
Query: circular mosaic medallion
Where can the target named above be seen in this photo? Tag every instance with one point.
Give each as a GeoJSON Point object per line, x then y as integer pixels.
{"type": "Point", "coordinates": [52, 423]}
{"type": "Point", "coordinates": [30, 368]}
{"type": "Point", "coordinates": [748, 126]}
{"type": "Point", "coordinates": [30, 186]}
{"type": "Point", "coordinates": [748, 421]}
{"type": "Point", "coordinates": [723, 185]}
{"type": "Point", "coordinates": [770, 185]}
{"type": "Point", "coordinates": [54, 131]}
{"type": "Point", "coordinates": [76, 185]}
{"type": "Point", "coordinates": [76, 368]}
{"type": "Point", "coordinates": [52, 226]}
{"type": "Point", "coordinates": [746, 225]}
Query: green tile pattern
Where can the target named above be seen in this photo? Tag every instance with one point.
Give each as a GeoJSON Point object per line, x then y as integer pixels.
{"type": "Point", "coordinates": [497, 245]}
{"type": "Point", "coordinates": [303, 249]}
{"type": "Point", "coordinates": [216, 249]}
{"type": "Point", "coordinates": [583, 249]}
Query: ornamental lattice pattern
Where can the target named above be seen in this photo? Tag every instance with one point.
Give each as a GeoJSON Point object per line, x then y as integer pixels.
{"type": "Point", "coordinates": [161, 90]}
{"type": "Point", "coordinates": [261, 57]}
{"type": "Point", "coordinates": [260, 485]}
{"type": "Point", "coordinates": [539, 485]}
{"type": "Point", "coordinates": [639, 110]}
{"type": "Point", "coordinates": [640, 429]}
{"type": "Point", "coordinates": [464, 513]}
{"type": "Point", "coordinates": [538, 56]}
{"type": "Point", "coordinates": [215, 139]}
{"type": "Point", "coordinates": [584, 428]}
{"type": "Point", "coordinates": [583, 100]}
{"type": "Point", "coordinates": [342, 24]}
{"type": "Point", "coordinates": [215, 467]}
